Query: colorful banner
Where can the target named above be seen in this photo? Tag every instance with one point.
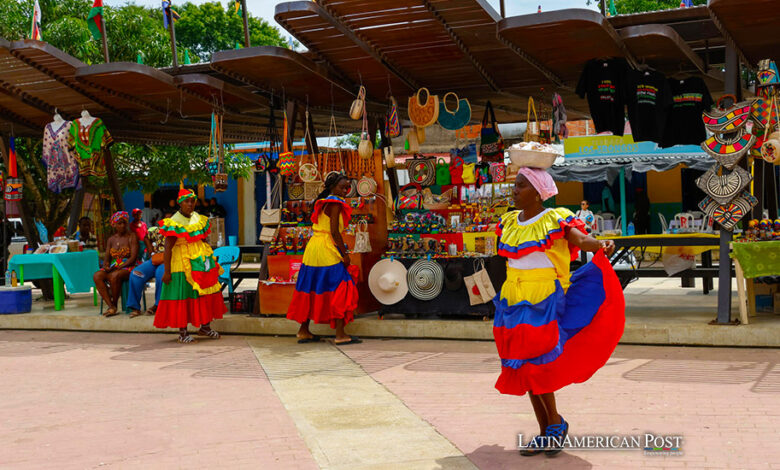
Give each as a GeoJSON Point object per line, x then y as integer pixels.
{"type": "Point", "coordinates": [622, 146]}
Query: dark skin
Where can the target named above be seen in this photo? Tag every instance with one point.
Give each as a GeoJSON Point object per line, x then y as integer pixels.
{"type": "Point", "coordinates": [109, 279]}
{"type": "Point", "coordinates": [333, 211]}
{"type": "Point", "coordinates": [85, 228]}
{"type": "Point", "coordinates": [186, 207]}
{"type": "Point", "coordinates": [527, 200]}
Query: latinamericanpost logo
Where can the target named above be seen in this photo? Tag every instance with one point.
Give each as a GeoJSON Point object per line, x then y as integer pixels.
{"type": "Point", "coordinates": [650, 444]}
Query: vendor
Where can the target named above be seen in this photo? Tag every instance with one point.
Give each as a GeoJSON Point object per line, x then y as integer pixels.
{"type": "Point", "coordinates": [85, 235]}
{"type": "Point", "coordinates": [120, 258]}
{"type": "Point", "coordinates": [138, 226]}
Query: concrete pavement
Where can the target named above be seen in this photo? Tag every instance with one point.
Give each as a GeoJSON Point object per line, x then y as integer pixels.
{"type": "Point", "coordinates": [109, 400]}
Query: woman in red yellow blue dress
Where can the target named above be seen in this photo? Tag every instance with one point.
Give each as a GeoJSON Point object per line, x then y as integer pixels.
{"type": "Point", "coordinates": [191, 291]}
{"type": "Point", "coordinates": [551, 329]}
{"type": "Point", "coordinates": [325, 291]}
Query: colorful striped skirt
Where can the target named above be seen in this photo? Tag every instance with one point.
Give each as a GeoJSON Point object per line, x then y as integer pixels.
{"type": "Point", "coordinates": [548, 338]}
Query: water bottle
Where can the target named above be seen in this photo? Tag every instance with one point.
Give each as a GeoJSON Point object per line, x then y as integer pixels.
{"type": "Point", "coordinates": [630, 229]}
{"type": "Point", "coordinates": [220, 242]}
{"type": "Point", "coordinates": [7, 278]}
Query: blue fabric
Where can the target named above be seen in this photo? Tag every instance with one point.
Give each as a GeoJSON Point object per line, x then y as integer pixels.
{"type": "Point", "coordinates": [138, 279]}
{"type": "Point", "coordinates": [42, 232]}
{"type": "Point", "coordinates": [75, 268]}
{"type": "Point", "coordinates": [575, 311]}
{"type": "Point", "coordinates": [532, 243]}
{"type": "Point", "coordinates": [542, 313]}
{"type": "Point", "coordinates": [321, 279]}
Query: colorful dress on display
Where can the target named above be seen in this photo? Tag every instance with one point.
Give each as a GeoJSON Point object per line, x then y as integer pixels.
{"type": "Point", "coordinates": [326, 290]}
{"type": "Point", "coordinates": [88, 144]}
{"type": "Point", "coordinates": [62, 169]}
{"type": "Point", "coordinates": [552, 330]}
{"type": "Point", "coordinates": [194, 294]}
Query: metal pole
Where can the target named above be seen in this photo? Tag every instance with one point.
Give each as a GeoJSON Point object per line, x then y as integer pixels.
{"type": "Point", "coordinates": [732, 86]}
{"type": "Point", "coordinates": [245, 15]}
{"type": "Point", "coordinates": [172, 28]}
{"type": "Point", "coordinates": [503, 9]}
{"type": "Point", "coordinates": [623, 215]}
{"type": "Point", "coordinates": [105, 37]}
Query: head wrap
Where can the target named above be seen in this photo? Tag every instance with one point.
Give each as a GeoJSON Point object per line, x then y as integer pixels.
{"type": "Point", "coordinates": [137, 211]}
{"type": "Point", "coordinates": [541, 181]}
{"type": "Point", "coordinates": [119, 216]}
{"type": "Point", "coordinates": [185, 194]}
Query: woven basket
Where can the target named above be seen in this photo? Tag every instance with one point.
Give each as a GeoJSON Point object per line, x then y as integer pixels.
{"type": "Point", "coordinates": [532, 158]}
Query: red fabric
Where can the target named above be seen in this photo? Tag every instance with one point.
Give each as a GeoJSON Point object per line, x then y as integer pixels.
{"type": "Point", "coordinates": [167, 232]}
{"type": "Point", "coordinates": [583, 354]}
{"type": "Point", "coordinates": [200, 311]}
{"type": "Point", "coordinates": [139, 227]}
{"type": "Point", "coordinates": [206, 278]}
{"type": "Point", "coordinates": [574, 251]}
{"type": "Point", "coordinates": [526, 341]}
{"type": "Point", "coordinates": [319, 207]}
{"type": "Point", "coordinates": [326, 307]}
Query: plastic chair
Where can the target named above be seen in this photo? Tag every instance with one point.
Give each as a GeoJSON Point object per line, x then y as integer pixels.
{"type": "Point", "coordinates": [664, 225]}
{"type": "Point", "coordinates": [599, 223]}
{"type": "Point", "coordinates": [607, 215]}
{"type": "Point", "coordinates": [684, 221]}
{"type": "Point", "coordinates": [706, 224]}
{"type": "Point", "coordinates": [618, 223]}
{"type": "Point", "coordinates": [226, 256]}
{"type": "Point", "coordinates": [124, 293]}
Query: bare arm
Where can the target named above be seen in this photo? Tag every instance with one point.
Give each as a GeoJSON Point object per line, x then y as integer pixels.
{"type": "Point", "coordinates": [588, 243]}
{"type": "Point", "coordinates": [169, 242]}
{"type": "Point", "coordinates": [334, 212]}
{"type": "Point", "coordinates": [133, 251]}
{"type": "Point", "coordinates": [107, 256]}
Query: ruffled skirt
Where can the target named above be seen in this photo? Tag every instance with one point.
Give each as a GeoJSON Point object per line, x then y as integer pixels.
{"type": "Point", "coordinates": [548, 338]}
{"type": "Point", "coordinates": [324, 294]}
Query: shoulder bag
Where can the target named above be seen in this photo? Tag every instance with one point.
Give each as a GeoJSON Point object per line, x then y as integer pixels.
{"type": "Point", "coordinates": [491, 144]}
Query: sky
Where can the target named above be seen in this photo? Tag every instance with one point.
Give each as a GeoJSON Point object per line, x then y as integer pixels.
{"type": "Point", "coordinates": [265, 8]}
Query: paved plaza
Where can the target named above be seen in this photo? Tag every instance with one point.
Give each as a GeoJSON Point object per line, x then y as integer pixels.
{"type": "Point", "coordinates": [78, 400]}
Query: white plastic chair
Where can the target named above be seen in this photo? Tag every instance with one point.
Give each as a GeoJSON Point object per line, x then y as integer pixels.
{"type": "Point", "coordinates": [684, 221]}
{"type": "Point", "coordinates": [706, 224]}
{"type": "Point", "coordinates": [697, 214]}
{"type": "Point", "coordinates": [618, 225]}
{"type": "Point", "coordinates": [598, 223]}
{"type": "Point", "coordinates": [664, 225]}
{"type": "Point", "coordinates": [608, 215]}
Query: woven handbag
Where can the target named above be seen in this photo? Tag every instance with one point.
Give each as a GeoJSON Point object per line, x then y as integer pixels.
{"type": "Point", "coordinates": [423, 113]}
{"type": "Point", "coordinates": [456, 169]}
{"type": "Point", "coordinates": [728, 215]}
{"type": "Point", "coordinates": [726, 187]}
{"type": "Point", "coordinates": [362, 238]}
{"type": "Point", "coordinates": [287, 163]}
{"type": "Point", "coordinates": [727, 120]}
{"type": "Point", "coordinates": [271, 213]}
{"type": "Point", "coordinates": [409, 197]}
{"type": "Point", "coordinates": [530, 136]}
{"type": "Point", "coordinates": [422, 170]}
{"type": "Point", "coordinates": [295, 191]}
{"type": "Point", "coordinates": [491, 144]}
{"type": "Point", "coordinates": [454, 120]}
{"type": "Point", "coordinates": [728, 151]}
{"type": "Point", "coordinates": [498, 172]}
{"type": "Point", "coordinates": [443, 176]}
{"type": "Point", "coordinates": [358, 105]}
{"type": "Point", "coordinates": [392, 124]}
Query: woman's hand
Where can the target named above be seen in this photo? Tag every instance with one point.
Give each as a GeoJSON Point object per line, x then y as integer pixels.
{"type": "Point", "coordinates": [345, 259]}
{"type": "Point", "coordinates": [108, 269]}
{"type": "Point", "coordinates": [166, 277]}
{"type": "Point", "coordinates": [608, 246]}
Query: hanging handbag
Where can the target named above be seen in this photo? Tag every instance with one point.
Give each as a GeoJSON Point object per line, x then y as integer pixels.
{"type": "Point", "coordinates": [366, 145]}
{"type": "Point", "coordinates": [423, 113]}
{"type": "Point", "coordinates": [727, 120]}
{"type": "Point", "coordinates": [530, 136]}
{"type": "Point", "coordinates": [422, 170]}
{"type": "Point", "coordinates": [412, 144]}
{"type": "Point", "coordinates": [409, 197]}
{"type": "Point", "coordinates": [308, 172]}
{"type": "Point", "coordinates": [362, 239]}
{"type": "Point", "coordinates": [358, 105]}
{"type": "Point", "coordinates": [726, 187]}
{"type": "Point", "coordinates": [728, 215]}
{"type": "Point", "coordinates": [454, 120]}
{"type": "Point", "coordinates": [312, 189]}
{"type": "Point", "coordinates": [481, 277]}
{"type": "Point", "coordinates": [392, 124]}
{"type": "Point", "coordinates": [456, 169]}
{"type": "Point", "coordinates": [270, 215]}
{"type": "Point", "coordinates": [771, 144]}
{"type": "Point", "coordinates": [483, 173]}
{"type": "Point", "coordinates": [261, 164]}
{"type": "Point", "coordinates": [443, 177]}
{"type": "Point", "coordinates": [269, 234]}
{"type": "Point", "coordinates": [728, 151]}
{"type": "Point", "coordinates": [498, 172]}
{"type": "Point", "coordinates": [295, 191]}
{"type": "Point", "coordinates": [469, 177]}
{"type": "Point", "coordinates": [491, 144]}
{"type": "Point", "coordinates": [287, 163]}
{"type": "Point", "coordinates": [366, 186]}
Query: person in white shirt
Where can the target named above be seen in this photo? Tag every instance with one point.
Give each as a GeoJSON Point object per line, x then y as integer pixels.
{"type": "Point", "coordinates": [585, 215]}
{"type": "Point", "coordinates": [149, 215]}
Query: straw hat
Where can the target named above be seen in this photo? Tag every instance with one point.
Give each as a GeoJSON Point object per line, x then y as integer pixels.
{"type": "Point", "coordinates": [425, 279]}
{"type": "Point", "coordinates": [387, 281]}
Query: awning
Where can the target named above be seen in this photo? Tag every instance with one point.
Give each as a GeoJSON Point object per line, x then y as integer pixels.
{"type": "Point", "coordinates": [607, 168]}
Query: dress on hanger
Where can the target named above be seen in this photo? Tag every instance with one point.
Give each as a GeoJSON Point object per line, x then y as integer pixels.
{"type": "Point", "coordinates": [62, 167]}
{"type": "Point", "coordinates": [88, 144]}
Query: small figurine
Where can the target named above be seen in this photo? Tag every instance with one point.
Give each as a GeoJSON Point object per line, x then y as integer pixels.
{"type": "Point", "coordinates": [751, 234]}
{"type": "Point", "coordinates": [765, 229]}
{"type": "Point", "coordinates": [776, 230]}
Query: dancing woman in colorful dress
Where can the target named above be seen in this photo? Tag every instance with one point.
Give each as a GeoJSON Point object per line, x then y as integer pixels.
{"type": "Point", "coordinates": [326, 290]}
{"type": "Point", "coordinates": [191, 291]}
{"type": "Point", "coordinates": [551, 330]}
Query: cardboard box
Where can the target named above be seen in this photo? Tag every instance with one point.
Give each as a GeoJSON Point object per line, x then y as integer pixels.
{"type": "Point", "coordinates": [217, 228]}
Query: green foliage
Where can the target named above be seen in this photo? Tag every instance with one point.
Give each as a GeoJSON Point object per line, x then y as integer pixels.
{"type": "Point", "coordinates": [210, 27]}
{"type": "Point", "coordinates": [625, 7]}
{"type": "Point", "coordinates": [352, 140]}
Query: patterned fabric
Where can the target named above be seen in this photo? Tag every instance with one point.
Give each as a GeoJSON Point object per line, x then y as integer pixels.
{"type": "Point", "coordinates": [62, 168]}
{"type": "Point", "coordinates": [119, 216]}
{"type": "Point", "coordinates": [758, 258]}
{"type": "Point", "coordinates": [89, 143]}
{"type": "Point", "coordinates": [157, 240]}
{"type": "Point", "coordinates": [185, 194]}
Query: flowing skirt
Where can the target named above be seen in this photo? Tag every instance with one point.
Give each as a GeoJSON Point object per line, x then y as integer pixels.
{"type": "Point", "coordinates": [548, 338]}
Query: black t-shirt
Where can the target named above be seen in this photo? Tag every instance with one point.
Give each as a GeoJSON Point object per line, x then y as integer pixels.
{"type": "Point", "coordinates": [648, 98]}
{"type": "Point", "coordinates": [603, 81]}
{"type": "Point", "coordinates": [684, 125]}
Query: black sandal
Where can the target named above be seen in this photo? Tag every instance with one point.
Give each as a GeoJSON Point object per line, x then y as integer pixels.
{"type": "Point", "coordinates": [352, 340]}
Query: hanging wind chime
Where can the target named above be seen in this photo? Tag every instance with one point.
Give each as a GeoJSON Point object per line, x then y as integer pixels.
{"type": "Point", "coordinates": [216, 154]}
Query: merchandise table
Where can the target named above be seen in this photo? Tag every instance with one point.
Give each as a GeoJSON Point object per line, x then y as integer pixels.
{"type": "Point", "coordinates": [751, 260]}
{"type": "Point", "coordinates": [451, 302]}
{"type": "Point", "coordinates": [688, 244]}
{"type": "Point", "coordinates": [71, 270]}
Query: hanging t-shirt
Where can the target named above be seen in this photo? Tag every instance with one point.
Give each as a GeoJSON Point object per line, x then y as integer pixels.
{"type": "Point", "coordinates": [684, 125]}
{"type": "Point", "coordinates": [603, 81]}
{"type": "Point", "coordinates": [648, 99]}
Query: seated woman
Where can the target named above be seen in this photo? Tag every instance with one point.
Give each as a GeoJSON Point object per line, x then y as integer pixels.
{"type": "Point", "coordinates": [152, 268]}
{"type": "Point", "coordinates": [120, 259]}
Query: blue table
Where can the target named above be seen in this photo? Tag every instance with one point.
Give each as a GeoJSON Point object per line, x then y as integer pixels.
{"type": "Point", "coordinates": [71, 270]}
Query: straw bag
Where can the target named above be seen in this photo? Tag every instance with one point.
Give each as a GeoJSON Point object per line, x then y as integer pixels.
{"type": "Point", "coordinates": [308, 172]}
{"type": "Point", "coordinates": [728, 151]}
{"type": "Point", "coordinates": [771, 144]}
{"type": "Point", "coordinates": [358, 105]}
{"type": "Point", "coordinates": [409, 197]}
{"type": "Point", "coordinates": [422, 170]}
{"type": "Point", "coordinates": [366, 146]}
{"type": "Point", "coordinates": [269, 234]}
{"type": "Point", "coordinates": [268, 214]}
{"type": "Point", "coordinates": [295, 191]}
{"type": "Point", "coordinates": [491, 145]}
{"type": "Point", "coordinates": [529, 136]}
{"type": "Point", "coordinates": [392, 124]}
{"type": "Point", "coordinates": [498, 172]}
{"type": "Point", "coordinates": [423, 114]}
{"type": "Point", "coordinates": [412, 144]}
{"type": "Point", "coordinates": [287, 164]}
{"type": "Point", "coordinates": [366, 185]}
{"type": "Point", "coordinates": [454, 120]}
{"type": "Point", "coordinates": [726, 187]}
{"type": "Point", "coordinates": [479, 285]}
{"type": "Point", "coordinates": [362, 239]}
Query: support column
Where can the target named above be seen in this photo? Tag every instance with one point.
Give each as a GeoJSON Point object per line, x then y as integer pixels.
{"type": "Point", "coordinates": [623, 214]}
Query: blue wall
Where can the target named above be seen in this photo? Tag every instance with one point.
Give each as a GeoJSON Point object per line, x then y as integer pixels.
{"type": "Point", "coordinates": [133, 200]}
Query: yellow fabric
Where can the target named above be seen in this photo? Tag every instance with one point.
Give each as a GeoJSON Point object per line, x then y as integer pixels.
{"type": "Point", "coordinates": [181, 257]}
{"type": "Point", "coordinates": [321, 249]}
{"type": "Point", "coordinates": [515, 234]}
{"type": "Point", "coordinates": [194, 223]}
{"type": "Point", "coordinates": [532, 285]}
{"type": "Point", "coordinates": [671, 250]}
